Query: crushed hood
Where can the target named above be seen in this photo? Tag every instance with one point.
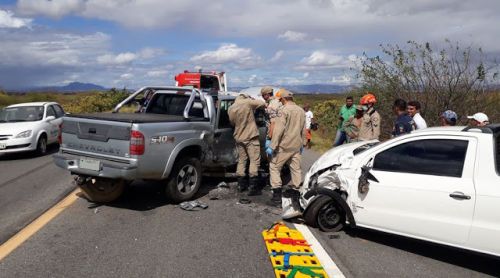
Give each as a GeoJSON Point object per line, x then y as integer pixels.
{"type": "Point", "coordinates": [341, 155]}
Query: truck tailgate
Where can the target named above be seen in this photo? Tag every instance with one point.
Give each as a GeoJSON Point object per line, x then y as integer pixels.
{"type": "Point", "coordinates": [99, 137]}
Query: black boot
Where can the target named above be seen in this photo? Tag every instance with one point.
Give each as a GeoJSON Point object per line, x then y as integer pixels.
{"type": "Point", "coordinates": [254, 188]}
{"type": "Point", "coordinates": [242, 184]}
{"type": "Point", "coordinates": [276, 199]}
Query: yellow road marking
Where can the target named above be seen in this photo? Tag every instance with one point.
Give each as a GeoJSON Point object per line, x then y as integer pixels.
{"type": "Point", "coordinates": [23, 235]}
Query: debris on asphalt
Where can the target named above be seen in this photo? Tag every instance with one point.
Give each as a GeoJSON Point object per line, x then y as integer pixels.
{"type": "Point", "coordinates": [223, 184]}
{"type": "Point", "coordinates": [334, 236]}
{"type": "Point", "coordinates": [193, 205]}
{"type": "Point", "coordinates": [96, 210]}
{"type": "Point", "coordinates": [222, 192]}
{"type": "Point", "coordinates": [244, 201]}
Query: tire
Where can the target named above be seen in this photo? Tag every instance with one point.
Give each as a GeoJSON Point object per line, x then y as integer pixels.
{"type": "Point", "coordinates": [326, 214]}
{"type": "Point", "coordinates": [185, 180]}
{"type": "Point", "coordinates": [103, 190]}
{"type": "Point", "coordinates": [41, 145]}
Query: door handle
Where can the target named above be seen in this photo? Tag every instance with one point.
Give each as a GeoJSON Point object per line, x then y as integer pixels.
{"type": "Point", "coordinates": [459, 195]}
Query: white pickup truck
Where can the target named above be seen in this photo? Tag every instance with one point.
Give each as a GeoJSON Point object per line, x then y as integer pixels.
{"type": "Point", "coordinates": [437, 184]}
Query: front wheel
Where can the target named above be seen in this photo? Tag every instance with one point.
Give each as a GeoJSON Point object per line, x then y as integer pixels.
{"type": "Point", "coordinates": [101, 190]}
{"type": "Point", "coordinates": [41, 145]}
{"type": "Point", "coordinates": [326, 214]}
{"type": "Point", "coordinates": [185, 180]}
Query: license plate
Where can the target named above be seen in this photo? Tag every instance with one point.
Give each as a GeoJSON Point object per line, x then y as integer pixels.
{"type": "Point", "coordinates": [3, 146]}
{"type": "Point", "coordinates": [90, 164]}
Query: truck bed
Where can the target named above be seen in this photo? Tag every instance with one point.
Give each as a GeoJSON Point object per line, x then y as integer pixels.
{"type": "Point", "coordinates": [131, 117]}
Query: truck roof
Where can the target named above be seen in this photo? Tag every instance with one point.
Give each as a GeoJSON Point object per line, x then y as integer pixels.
{"type": "Point", "coordinates": [457, 130]}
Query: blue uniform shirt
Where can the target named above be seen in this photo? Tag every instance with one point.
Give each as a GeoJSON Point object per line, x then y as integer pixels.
{"type": "Point", "coordinates": [404, 124]}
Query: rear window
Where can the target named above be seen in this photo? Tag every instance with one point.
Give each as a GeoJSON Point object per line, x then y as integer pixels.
{"type": "Point", "coordinates": [171, 104]}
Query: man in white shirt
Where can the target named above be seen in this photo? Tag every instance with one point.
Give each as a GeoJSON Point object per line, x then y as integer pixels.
{"type": "Point", "coordinates": [309, 121]}
{"type": "Point", "coordinates": [413, 109]}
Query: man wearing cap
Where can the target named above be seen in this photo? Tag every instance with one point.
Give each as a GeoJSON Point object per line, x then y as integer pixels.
{"type": "Point", "coordinates": [272, 107]}
{"type": "Point", "coordinates": [288, 139]}
{"type": "Point", "coordinates": [448, 118]}
{"type": "Point", "coordinates": [478, 119]}
{"type": "Point", "coordinates": [246, 135]}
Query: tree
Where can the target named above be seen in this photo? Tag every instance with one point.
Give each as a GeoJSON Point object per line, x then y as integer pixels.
{"type": "Point", "coordinates": [452, 77]}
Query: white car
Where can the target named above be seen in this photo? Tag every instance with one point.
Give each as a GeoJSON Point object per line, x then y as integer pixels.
{"type": "Point", "coordinates": [437, 184]}
{"type": "Point", "coordinates": [29, 126]}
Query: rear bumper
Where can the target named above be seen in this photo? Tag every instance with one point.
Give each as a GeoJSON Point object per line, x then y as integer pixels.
{"type": "Point", "coordinates": [108, 169]}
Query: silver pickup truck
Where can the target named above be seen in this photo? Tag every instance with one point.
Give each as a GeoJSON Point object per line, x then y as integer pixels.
{"type": "Point", "coordinates": [176, 135]}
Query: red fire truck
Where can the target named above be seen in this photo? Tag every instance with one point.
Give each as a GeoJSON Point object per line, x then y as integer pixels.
{"type": "Point", "coordinates": [206, 81]}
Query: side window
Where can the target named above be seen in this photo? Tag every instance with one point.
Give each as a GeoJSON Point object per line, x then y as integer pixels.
{"type": "Point", "coordinates": [59, 111]}
{"type": "Point", "coordinates": [51, 111]}
{"type": "Point", "coordinates": [440, 157]}
{"type": "Point", "coordinates": [223, 115]}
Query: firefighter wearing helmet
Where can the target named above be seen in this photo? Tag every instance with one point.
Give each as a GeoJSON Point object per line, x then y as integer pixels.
{"type": "Point", "coordinates": [370, 125]}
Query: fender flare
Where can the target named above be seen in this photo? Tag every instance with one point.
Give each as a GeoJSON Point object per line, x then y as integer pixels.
{"type": "Point", "coordinates": [336, 197]}
{"type": "Point", "coordinates": [193, 142]}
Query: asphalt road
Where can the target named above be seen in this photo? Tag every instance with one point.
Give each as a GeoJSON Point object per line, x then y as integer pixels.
{"type": "Point", "coordinates": [142, 235]}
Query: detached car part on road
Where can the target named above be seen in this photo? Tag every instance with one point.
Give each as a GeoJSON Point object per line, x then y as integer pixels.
{"type": "Point", "coordinates": [179, 135]}
{"type": "Point", "coordinates": [437, 184]}
{"type": "Point", "coordinates": [29, 127]}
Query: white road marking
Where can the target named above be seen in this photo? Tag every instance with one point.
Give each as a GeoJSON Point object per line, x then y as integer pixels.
{"type": "Point", "coordinates": [328, 264]}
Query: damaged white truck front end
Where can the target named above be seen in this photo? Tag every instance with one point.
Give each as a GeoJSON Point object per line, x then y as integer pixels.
{"type": "Point", "coordinates": [335, 175]}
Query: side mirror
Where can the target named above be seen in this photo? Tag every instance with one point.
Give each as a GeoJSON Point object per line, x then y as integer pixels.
{"type": "Point", "coordinates": [50, 118]}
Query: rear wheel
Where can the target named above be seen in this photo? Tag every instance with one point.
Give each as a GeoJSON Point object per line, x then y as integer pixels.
{"type": "Point", "coordinates": [185, 180]}
{"type": "Point", "coordinates": [326, 214]}
{"type": "Point", "coordinates": [41, 145]}
{"type": "Point", "coordinates": [103, 190]}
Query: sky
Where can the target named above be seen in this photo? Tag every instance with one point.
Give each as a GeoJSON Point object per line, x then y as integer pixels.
{"type": "Point", "coordinates": [135, 43]}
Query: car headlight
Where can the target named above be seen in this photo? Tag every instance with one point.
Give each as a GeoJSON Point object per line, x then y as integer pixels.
{"type": "Point", "coordinates": [24, 134]}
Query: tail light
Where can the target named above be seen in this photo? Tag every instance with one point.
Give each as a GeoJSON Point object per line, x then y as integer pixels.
{"type": "Point", "coordinates": [59, 135]}
{"type": "Point", "coordinates": [136, 143]}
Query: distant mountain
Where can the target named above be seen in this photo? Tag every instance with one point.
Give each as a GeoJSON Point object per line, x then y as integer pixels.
{"type": "Point", "coordinates": [71, 87]}
{"type": "Point", "coordinates": [309, 89]}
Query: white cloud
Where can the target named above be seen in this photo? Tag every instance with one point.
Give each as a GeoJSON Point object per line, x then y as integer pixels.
{"type": "Point", "coordinates": [342, 80]}
{"type": "Point", "coordinates": [227, 54]}
{"type": "Point", "coordinates": [51, 8]}
{"type": "Point", "coordinates": [323, 59]}
{"type": "Point", "coordinates": [148, 52]}
{"type": "Point", "coordinates": [252, 78]}
{"type": "Point", "coordinates": [8, 20]}
{"type": "Point", "coordinates": [119, 59]}
{"type": "Point", "coordinates": [126, 76]}
{"type": "Point", "coordinates": [293, 36]}
{"type": "Point", "coordinates": [277, 56]}
{"type": "Point", "coordinates": [306, 75]}
{"type": "Point", "coordinates": [157, 73]}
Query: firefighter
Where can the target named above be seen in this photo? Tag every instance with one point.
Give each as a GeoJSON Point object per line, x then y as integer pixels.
{"type": "Point", "coordinates": [287, 142]}
{"type": "Point", "coordinates": [246, 135]}
{"type": "Point", "coordinates": [272, 107]}
{"type": "Point", "coordinates": [370, 126]}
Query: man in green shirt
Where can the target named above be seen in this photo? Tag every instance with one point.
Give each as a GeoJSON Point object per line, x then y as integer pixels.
{"type": "Point", "coordinates": [347, 110]}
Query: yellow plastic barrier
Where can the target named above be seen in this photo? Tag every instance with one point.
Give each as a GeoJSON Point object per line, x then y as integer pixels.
{"type": "Point", "coordinates": [290, 254]}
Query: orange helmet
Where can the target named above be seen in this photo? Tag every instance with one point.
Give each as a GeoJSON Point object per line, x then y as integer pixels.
{"type": "Point", "coordinates": [367, 99]}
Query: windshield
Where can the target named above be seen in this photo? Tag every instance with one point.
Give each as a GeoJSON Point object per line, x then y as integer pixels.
{"type": "Point", "coordinates": [21, 114]}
